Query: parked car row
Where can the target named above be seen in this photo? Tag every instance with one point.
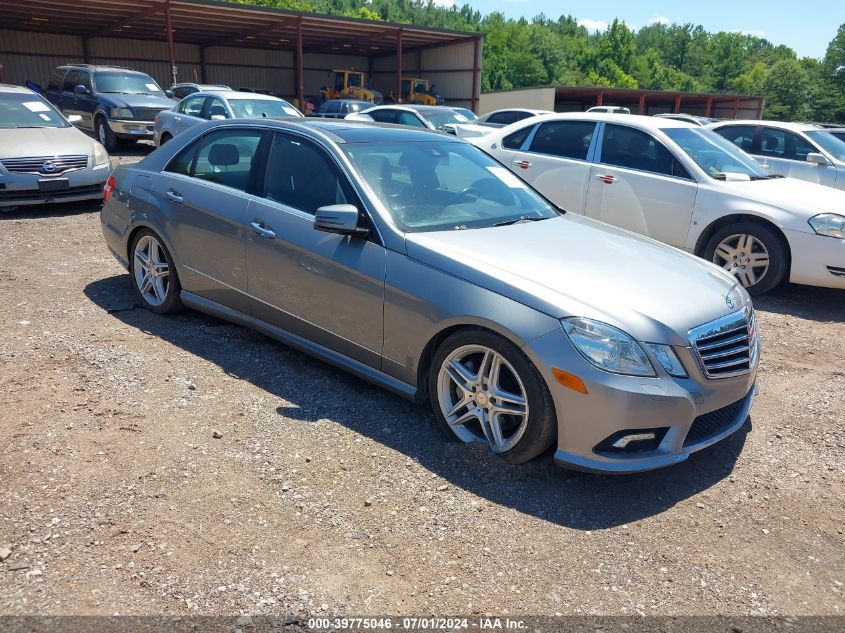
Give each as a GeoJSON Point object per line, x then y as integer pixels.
{"type": "Point", "coordinates": [578, 282]}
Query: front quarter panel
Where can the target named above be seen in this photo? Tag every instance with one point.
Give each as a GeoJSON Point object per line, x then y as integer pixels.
{"type": "Point", "coordinates": [422, 301]}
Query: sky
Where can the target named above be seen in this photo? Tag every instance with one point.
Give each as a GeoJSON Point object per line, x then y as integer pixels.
{"type": "Point", "coordinates": [805, 26]}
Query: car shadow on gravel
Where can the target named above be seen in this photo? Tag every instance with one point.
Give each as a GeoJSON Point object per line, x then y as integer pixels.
{"type": "Point", "coordinates": [320, 394]}
{"type": "Point", "coordinates": [57, 210]}
{"type": "Point", "coordinates": [806, 302]}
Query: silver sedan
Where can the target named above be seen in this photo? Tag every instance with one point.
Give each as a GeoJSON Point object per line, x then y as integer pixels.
{"type": "Point", "coordinates": [43, 158]}
{"type": "Point", "coordinates": [413, 260]}
{"type": "Point", "coordinates": [218, 105]}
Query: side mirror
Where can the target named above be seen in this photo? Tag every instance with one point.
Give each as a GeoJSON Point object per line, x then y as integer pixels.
{"type": "Point", "coordinates": [218, 117]}
{"type": "Point", "coordinates": [339, 218]}
{"type": "Point", "coordinates": [73, 119]}
{"type": "Point", "coordinates": [818, 159]}
{"type": "Point", "coordinates": [82, 91]}
{"type": "Point", "coordinates": [169, 94]}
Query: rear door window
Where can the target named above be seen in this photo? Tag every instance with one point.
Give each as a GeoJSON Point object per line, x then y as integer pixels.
{"type": "Point", "coordinates": [740, 135]}
{"type": "Point", "coordinates": [71, 80]}
{"type": "Point", "coordinates": [385, 116]}
{"type": "Point", "coordinates": [567, 139]}
{"type": "Point", "coordinates": [192, 106]}
{"type": "Point", "coordinates": [224, 157]}
{"type": "Point", "coordinates": [516, 139]}
{"type": "Point", "coordinates": [56, 78]}
{"type": "Point", "coordinates": [624, 146]}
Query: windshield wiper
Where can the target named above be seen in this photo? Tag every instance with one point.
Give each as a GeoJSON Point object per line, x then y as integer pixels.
{"type": "Point", "coordinates": [768, 177]}
{"type": "Point", "coordinates": [522, 218]}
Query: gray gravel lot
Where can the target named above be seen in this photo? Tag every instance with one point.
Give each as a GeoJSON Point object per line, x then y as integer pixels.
{"type": "Point", "coordinates": [184, 465]}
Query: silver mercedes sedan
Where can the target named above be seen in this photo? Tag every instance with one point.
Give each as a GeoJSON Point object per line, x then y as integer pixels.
{"type": "Point", "coordinates": [412, 259]}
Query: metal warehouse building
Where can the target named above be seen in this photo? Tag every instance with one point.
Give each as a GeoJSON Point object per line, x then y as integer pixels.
{"type": "Point", "coordinates": [577, 99]}
{"type": "Point", "coordinates": [288, 53]}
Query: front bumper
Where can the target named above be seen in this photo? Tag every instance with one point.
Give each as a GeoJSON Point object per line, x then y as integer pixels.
{"type": "Point", "coordinates": [132, 128]}
{"type": "Point", "coordinates": [617, 403]}
{"type": "Point", "coordinates": [817, 260]}
{"type": "Point", "coordinates": [18, 190]}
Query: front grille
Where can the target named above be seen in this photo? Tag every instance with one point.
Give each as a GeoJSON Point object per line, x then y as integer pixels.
{"type": "Point", "coordinates": [45, 165]}
{"type": "Point", "coordinates": [726, 347]}
{"type": "Point", "coordinates": [147, 114]}
{"type": "Point", "coordinates": [712, 424]}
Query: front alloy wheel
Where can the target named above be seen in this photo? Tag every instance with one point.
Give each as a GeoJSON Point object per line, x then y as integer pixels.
{"type": "Point", "coordinates": [482, 397]}
{"type": "Point", "coordinates": [753, 252]}
{"type": "Point", "coordinates": [483, 388]}
{"type": "Point", "coordinates": [744, 256]}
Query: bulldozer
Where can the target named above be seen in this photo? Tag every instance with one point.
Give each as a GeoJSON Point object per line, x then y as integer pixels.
{"type": "Point", "coordinates": [419, 91]}
{"type": "Point", "coordinates": [350, 84]}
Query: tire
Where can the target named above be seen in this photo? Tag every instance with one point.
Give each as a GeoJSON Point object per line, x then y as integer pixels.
{"type": "Point", "coordinates": [162, 294]}
{"type": "Point", "coordinates": [729, 247]}
{"type": "Point", "coordinates": [517, 437]}
{"type": "Point", "coordinates": [163, 139]}
{"type": "Point", "coordinates": [104, 134]}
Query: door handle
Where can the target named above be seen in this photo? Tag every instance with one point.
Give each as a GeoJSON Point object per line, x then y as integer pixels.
{"type": "Point", "coordinates": [262, 230]}
{"type": "Point", "coordinates": [177, 118]}
{"type": "Point", "coordinates": [524, 164]}
{"type": "Point", "coordinates": [172, 195]}
{"type": "Point", "coordinates": [606, 178]}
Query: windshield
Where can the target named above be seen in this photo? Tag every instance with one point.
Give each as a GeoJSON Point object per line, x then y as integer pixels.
{"type": "Point", "coordinates": [441, 117]}
{"type": "Point", "coordinates": [830, 143]}
{"type": "Point", "coordinates": [262, 108]}
{"type": "Point", "coordinates": [126, 83]}
{"type": "Point", "coordinates": [715, 154]}
{"type": "Point", "coordinates": [28, 110]}
{"type": "Point", "coordinates": [444, 186]}
{"type": "Point", "coordinates": [469, 114]}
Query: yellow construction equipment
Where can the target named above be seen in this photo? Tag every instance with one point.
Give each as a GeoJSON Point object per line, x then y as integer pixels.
{"type": "Point", "coordinates": [419, 91]}
{"type": "Point", "coordinates": [350, 84]}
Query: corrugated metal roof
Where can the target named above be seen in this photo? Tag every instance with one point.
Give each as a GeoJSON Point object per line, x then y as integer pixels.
{"type": "Point", "coordinates": [213, 23]}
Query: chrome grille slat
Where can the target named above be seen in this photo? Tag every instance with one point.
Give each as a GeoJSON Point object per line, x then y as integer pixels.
{"type": "Point", "coordinates": [724, 354]}
{"type": "Point", "coordinates": [35, 164]}
{"type": "Point", "coordinates": [736, 339]}
{"type": "Point", "coordinates": [725, 347]}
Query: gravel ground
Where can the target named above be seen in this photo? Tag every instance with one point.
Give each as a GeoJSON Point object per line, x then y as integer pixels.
{"type": "Point", "coordinates": [184, 465]}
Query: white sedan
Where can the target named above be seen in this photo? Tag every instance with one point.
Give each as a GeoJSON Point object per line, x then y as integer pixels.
{"type": "Point", "coordinates": [685, 186]}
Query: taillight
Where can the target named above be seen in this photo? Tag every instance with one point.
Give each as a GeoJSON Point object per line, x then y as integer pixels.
{"type": "Point", "coordinates": [108, 189]}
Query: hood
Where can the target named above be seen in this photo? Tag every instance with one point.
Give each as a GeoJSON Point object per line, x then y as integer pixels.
{"type": "Point", "coordinates": [791, 194]}
{"type": "Point", "coordinates": [574, 266]}
{"type": "Point", "coordinates": [44, 141]}
{"type": "Point", "coordinates": [136, 101]}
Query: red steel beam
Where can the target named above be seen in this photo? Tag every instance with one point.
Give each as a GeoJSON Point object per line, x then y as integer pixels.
{"type": "Point", "coordinates": [170, 54]}
{"type": "Point", "coordinates": [397, 86]}
{"type": "Point", "coordinates": [135, 17]}
{"type": "Point", "coordinates": [475, 49]}
{"type": "Point", "coordinates": [300, 81]}
{"type": "Point", "coordinates": [642, 104]}
{"type": "Point", "coordinates": [677, 108]}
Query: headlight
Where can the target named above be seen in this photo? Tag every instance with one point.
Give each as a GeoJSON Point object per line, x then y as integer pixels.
{"type": "Point", "coordinates": [668, 359]}
{"type": "Point", "coordinates": [607, 348]}
{"type": "Point", "coordinates": [122, 113]}
{"type": "Point", "coordinates": [830, 224]}
{"type": "Point", "coordinates": [101, 156]}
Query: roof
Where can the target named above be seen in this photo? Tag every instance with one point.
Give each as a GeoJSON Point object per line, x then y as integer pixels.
{"type": "Point", "coordinates": [214, 23]}
{"type": "Point", "coordinates": [237, 94]}
{"type": "Point", "coordinates": [783, 125]}
{"type": "Point", "coordinates": [100, 67]}
{"type": "Point", "coordinates": [640, 121]}
{"type": "Point", "coordinates": [16, 89]}
{"type": "Point", "coordinates": [408, 107]}
{"type": "Point", "coordinates": [350, 131]}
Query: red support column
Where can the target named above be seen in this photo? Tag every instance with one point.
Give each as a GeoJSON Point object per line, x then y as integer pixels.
{"type": "Point", "coordinates": [86, 50]}
{"type": "Point", "coordinates": [642, 104]}
{"type": "Point", "coordinates": [300, 77]}
{"type": "Point", "coordinates": [2, 73]}
{"type": "Point", "coordinates": [735, 110]}
{"type": "Point", "coordinates": [203, 73]}
{"type": "Point", "coordinates": [677, 104]}
{"type": "Point", "coordinates": [600, 98]}
{"type": "Point", "coordinates": [397, 86]}
{"type": "Point", "coordinates": [760, 105]}
{"type": "Point", "coordinates": [475, 49]}
{"type": "Point", "coordinates": [708, 107]}
{"type": "Point", "coordinates": [170, 54]}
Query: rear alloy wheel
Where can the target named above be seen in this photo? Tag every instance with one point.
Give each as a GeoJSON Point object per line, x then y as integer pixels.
{"type": "Point", "coordinates": [751, 252]}
{"type": "Point", "coordinates": [154, 278]}
{"type": "Point", "coordinates": [483, 389]}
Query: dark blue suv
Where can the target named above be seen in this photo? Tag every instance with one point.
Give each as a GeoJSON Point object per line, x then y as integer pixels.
{"type": "Point", "coordinates": [115, 103]}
